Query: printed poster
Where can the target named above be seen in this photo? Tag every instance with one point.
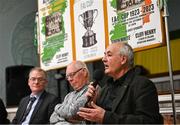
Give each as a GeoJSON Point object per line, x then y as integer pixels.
{"type": "Point", "coordinates": [55, 33]}
{"type": "Point", "coordinates": [137, 22]}
{"type": "Point", "coordinates": [89, 29]}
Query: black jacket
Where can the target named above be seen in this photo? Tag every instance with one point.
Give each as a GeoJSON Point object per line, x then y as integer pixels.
{"type": "Point", "coordinates": [136, 101]}
{"type": "Point", "coordinates": [42, 111]}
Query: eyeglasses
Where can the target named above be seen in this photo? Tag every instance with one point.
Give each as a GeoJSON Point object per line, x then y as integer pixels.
{"type": "Point", "coordinates": [33, 79]}
{"type": "Point", "coordinates": [71, 75]}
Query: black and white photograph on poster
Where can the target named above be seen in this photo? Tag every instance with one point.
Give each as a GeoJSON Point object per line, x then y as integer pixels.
{"type": "Point", "coordinates": [46, 1]}
{"type": "Point", "coordinates": [87, 19]}
{"type": "Point", "coordinates": [53, 24]}
{"type": "Point", "coordinates": [128, 4]}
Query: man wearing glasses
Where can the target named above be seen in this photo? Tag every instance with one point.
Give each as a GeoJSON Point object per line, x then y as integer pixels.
{"type": "Point", "coordinates": [38, 107]}
{"type": "Point", "coordinates": [66, 113]}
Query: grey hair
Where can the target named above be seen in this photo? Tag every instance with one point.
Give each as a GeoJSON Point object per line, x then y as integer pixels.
{"type": "Point", "coordinates": [127, 50]}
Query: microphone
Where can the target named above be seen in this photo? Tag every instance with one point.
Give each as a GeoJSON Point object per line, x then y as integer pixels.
{"type": "Point", "coordinates": [97, 76]}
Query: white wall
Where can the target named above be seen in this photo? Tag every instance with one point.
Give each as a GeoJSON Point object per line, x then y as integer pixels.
{"type": "Point", "coordinates": [11, 14]}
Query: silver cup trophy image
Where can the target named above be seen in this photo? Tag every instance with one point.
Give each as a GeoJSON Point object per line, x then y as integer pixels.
{"type": "Point", "coordinates": [87, 19]}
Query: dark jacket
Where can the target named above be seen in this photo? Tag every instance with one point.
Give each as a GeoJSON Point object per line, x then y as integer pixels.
{"type": "Point", "coordinates": [42, 111]}
{"type": "Point", "coordinates": [136, 102]}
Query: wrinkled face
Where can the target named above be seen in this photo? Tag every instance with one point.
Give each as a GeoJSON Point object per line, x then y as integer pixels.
{"type": "Point", "coordinates": [112, 60]}
{"type": "Point", "coordinates": [37, 81]}
{"type": "Point", "coordinates": [76, 76]}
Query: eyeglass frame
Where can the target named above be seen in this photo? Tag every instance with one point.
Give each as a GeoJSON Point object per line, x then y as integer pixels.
{"type": "Point", "coordinates": [33, 79]}
{"type": "Point", "coordinates": [72, 74]}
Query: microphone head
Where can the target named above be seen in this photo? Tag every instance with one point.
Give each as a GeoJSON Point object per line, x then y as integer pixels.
{"type": "Point", "coordinates": [98, 75]}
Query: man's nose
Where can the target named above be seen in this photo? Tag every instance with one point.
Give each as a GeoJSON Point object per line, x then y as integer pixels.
{"type": "Point", "coordinates": [104, 58]}
{"type": "Point", "coordinates": [69, 79]}
{"type": "Point", "coordinates": [36, 81]}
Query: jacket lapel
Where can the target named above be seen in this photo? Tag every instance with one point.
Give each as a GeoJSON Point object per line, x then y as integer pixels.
{"type": "Point", "coordinates": [24, 106]}
{"type": "Point", "coordinates": [37, 107]}
{"type": "Point", "coordinates": [122, 90]}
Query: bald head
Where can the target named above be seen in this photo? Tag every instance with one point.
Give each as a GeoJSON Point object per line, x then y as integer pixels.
{"type": "Point", "coordinates": [77, 74]}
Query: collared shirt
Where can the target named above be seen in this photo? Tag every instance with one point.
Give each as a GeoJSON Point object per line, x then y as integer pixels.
{"type": "Point", "coordinates": [112, 93]}
{"type": "Point", "coordinates": [26, 121]}
{"type": "Point", "coordinates": [69, 107]}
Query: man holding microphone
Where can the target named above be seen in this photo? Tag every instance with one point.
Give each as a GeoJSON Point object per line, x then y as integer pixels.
{"type": "Point", "coordinates": [126, 97]}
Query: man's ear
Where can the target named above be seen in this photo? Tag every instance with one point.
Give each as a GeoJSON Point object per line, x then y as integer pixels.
{"type": "Point", "coordinates": [85, 73]}
{"type": "Point", "coordinates": [123, 60]}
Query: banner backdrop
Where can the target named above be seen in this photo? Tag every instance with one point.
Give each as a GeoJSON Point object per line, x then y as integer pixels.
{"type": "Point", "coordinates": [55, 33]}
{"type": "Point", "coordinates": [136, 21]}
{"type": "Point", "coordinates": [81, 30]}
{"type": "Point", "coordinates": [89, 29]}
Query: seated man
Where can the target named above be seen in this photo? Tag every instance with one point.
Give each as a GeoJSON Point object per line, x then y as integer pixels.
{"type": "Point", "coordinates": [66, 113]}
{"type": "Point", "coordinates": [37, 107]}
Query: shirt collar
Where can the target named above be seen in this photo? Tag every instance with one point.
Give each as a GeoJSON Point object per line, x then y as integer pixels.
{"type": "Point", "coordinates": [37, 95]}
{"type": "Point", "coordinates": [119, 81]}
{"type": "Point", "coordinates": [82, 89]}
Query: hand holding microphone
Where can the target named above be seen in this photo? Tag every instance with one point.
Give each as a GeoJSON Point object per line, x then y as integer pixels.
{"type": "Point", "coordinates": [97, 76]}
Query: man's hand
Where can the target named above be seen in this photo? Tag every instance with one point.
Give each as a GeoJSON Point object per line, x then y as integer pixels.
{"type": "Point", "coordinates": [92, 94]}
{"type": "Point", "coordinates": [93, 114]}
{"type": "Point", "coordinates": [91, 91]}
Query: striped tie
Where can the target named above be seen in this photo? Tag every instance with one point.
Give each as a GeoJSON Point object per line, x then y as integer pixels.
{"type": "Point", "coordinates": [32, 99]}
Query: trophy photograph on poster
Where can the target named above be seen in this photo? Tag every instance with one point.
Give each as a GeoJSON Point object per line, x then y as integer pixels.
{"type": "Point", "coordinates": [87, 20]}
